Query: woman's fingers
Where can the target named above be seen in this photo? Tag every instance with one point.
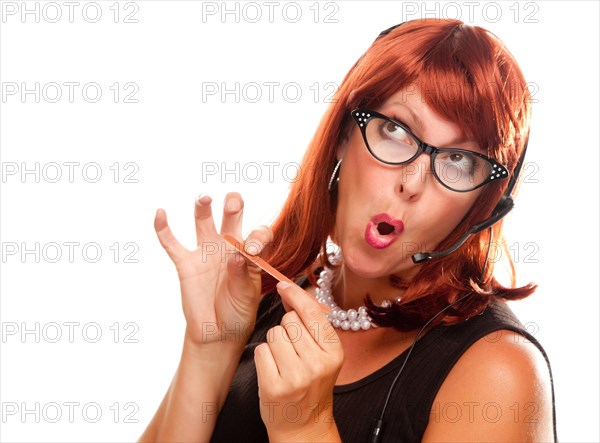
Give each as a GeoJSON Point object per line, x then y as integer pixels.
{"type": "Point", "coordinates": [266, 368]}
{"type": "Point", "coordinates": [244, 273]}
{"type": "Point", "coordinates": [279, 370]}
{"type": "Point", "coordinates": [311, 313]}
{"type": "Point", "coordinates": [256, 243]}
{"type": "Point", "coordinates": [300, 337]}
{"type": "Point", "coordinates": [166, 238]}
{"type": "Point", "coordinates": [258, 240]}
{"type": "Point", "coordinates": [233, 210]}
{"type": "Point", "coordinates": [241, 283]}
{"type": "Point", "coordinates": [283, 351]}
{"type": "Point", "coordinates": [205, 225]}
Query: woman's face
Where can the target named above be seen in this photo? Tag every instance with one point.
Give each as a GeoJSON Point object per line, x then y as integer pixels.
{"type": "Point", "coordinates": [423, 212]}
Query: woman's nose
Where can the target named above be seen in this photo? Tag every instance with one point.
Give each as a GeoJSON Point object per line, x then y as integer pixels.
{"type": "Point", "coordinates": [414, 176]}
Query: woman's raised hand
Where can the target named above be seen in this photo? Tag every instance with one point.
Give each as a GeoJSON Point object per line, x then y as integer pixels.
{"type": "Point", "coordinates": [220, 290]}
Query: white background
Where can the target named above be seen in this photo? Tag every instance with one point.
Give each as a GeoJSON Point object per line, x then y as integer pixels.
{"type": "Point", "coordinates": [168, 139]}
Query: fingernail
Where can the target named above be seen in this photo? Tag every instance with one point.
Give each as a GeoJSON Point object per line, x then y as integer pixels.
{"type": "Point", "coordinates": [282, 285]}
{"type": "Point", "coordinates": [253, 247]}
{"type": "Point", "coordinates": [233, 204]}
{"type": "Point", "coordinates": [204, 199]}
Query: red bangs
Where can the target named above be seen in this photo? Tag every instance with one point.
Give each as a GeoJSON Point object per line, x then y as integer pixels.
{"type": "Point", "coordinates": [463, 72]}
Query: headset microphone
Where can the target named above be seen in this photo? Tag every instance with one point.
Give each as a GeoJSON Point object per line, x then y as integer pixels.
{"type": "Point", "coordinates": [503, 207]}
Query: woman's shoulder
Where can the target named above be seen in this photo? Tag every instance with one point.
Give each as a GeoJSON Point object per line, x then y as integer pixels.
{"type": "Point", "coordinates": [499, 389]}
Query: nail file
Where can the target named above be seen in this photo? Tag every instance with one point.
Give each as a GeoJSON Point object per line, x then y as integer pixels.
{"type": "Point", "coordinates": [258, 261]}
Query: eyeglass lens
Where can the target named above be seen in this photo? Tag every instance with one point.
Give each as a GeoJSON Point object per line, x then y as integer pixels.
{"type": "Point", "coordinates": [458, 169]}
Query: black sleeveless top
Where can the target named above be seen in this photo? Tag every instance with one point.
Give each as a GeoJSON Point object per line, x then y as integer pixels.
{"type": "Point", "coordinates": [357, 405]}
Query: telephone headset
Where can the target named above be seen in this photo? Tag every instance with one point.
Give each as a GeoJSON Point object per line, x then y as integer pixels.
{"type": "Point", "coordinates": [503, 207]}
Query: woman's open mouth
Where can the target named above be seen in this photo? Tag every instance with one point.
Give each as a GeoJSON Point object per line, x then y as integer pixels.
{"type": "Point", "coordinates": [383, 230]}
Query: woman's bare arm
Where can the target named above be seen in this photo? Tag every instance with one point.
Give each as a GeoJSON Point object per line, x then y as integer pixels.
{"type": "Point", "coordinates": [498, 391]}
{"type": "Point", "coordinates": [189, 409]}
{"type": "Point", "coordinates": [220, 293]}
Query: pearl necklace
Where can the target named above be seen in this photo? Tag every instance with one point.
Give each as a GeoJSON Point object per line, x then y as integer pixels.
{"type": "Point", "coordinates": [352, 319]}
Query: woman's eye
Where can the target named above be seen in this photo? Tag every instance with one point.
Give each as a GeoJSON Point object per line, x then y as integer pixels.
{"type": "Point", "coordinates": [460, 160]}
{"type": "Point", "coordinates": [394, 131]}
{"type": "Point", "coordinates": [459, 157]}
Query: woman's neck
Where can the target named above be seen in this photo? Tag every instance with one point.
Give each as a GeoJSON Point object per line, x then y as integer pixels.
{"type": "Point", "coordinates": [349, 289]}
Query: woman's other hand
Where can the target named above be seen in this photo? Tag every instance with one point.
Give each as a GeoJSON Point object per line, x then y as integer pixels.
{"type": "Point", "coordinates": [297, 369]}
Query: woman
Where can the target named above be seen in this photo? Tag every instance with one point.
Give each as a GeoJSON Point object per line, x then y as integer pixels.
{"type": "Point", "coordinates": [420, 152]}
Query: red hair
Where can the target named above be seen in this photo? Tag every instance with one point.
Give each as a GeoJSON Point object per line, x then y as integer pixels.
{"type": "Point", "coordinates": [468, 77]}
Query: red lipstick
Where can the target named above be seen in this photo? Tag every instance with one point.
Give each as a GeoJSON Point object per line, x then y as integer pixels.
{"type": "Point", "coordinates": [383, 230]}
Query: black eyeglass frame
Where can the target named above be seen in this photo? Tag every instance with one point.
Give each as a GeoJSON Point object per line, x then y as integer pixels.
{"type": "Point", "coordinates": [362, 117]}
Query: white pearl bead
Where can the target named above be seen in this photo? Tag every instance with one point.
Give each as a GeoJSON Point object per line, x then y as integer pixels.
{"type": "Point", "coordinates": [325, 292]}
{"type": "Point", "coordinates": [354, 319]}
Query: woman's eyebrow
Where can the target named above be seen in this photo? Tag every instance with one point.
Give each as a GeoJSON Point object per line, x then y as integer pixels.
{"type": "Point", "coordinates": [418, 122]}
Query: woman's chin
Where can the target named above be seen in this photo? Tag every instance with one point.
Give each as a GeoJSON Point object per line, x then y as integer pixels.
{"type": "Point", "coordinates": [365, 263]}
{"type": "Point", "coordinates": [367, 267]}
